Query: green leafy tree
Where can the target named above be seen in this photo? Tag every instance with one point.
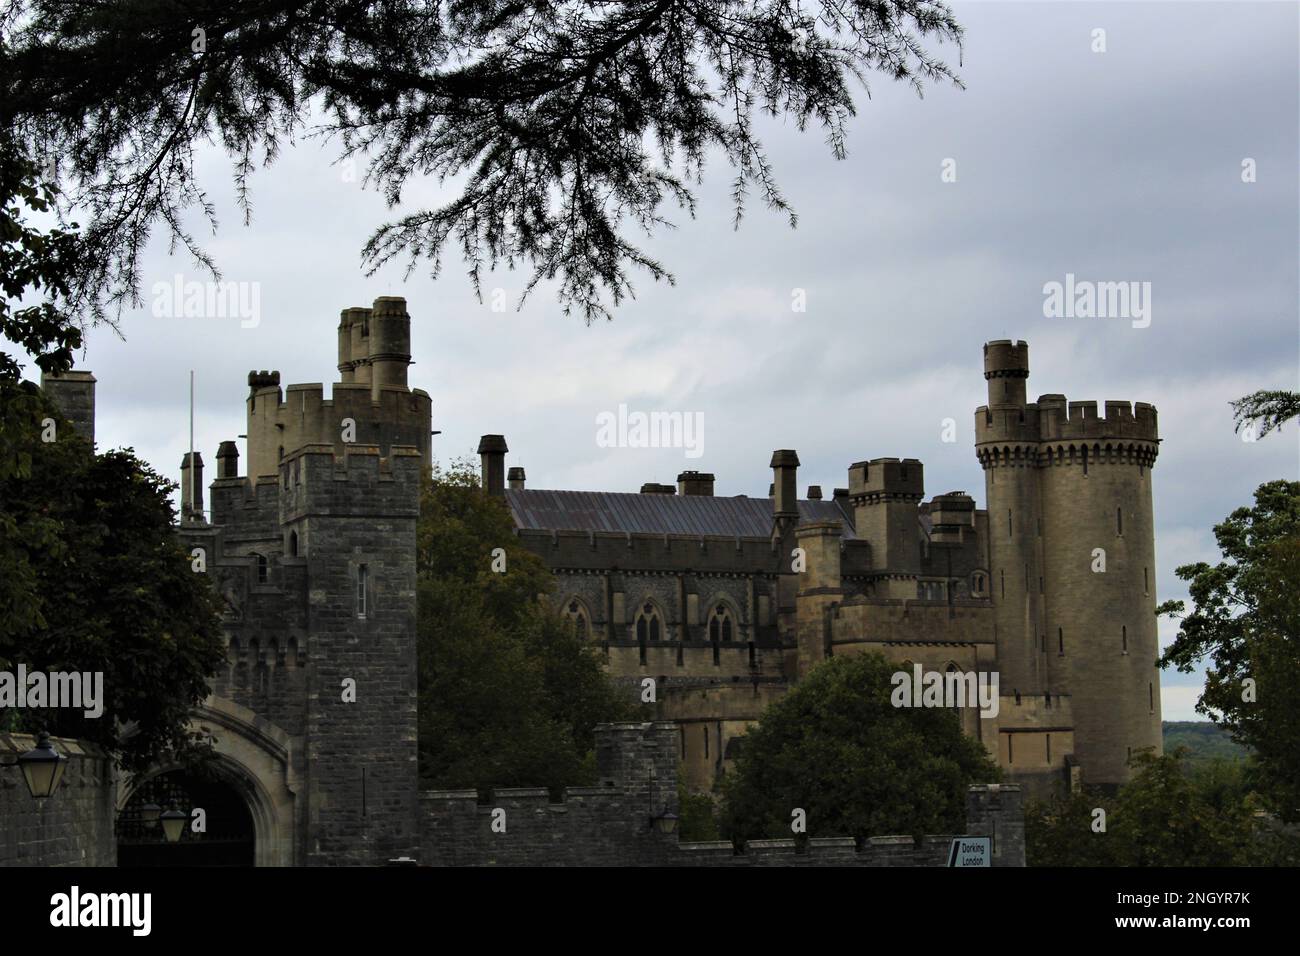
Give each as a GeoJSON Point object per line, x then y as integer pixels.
{"type": "Point", "coordinates": [697, 814]}
{"type": "Point", "coordinates": [564, 124]}
{"type": "Point", "coordinates": [1165, 815]}
{"type": "Point", "coordinates": [1246, 620]}
{"type": "Point", "coordinates": [837, 748]}
{"type": "Point", "coordinates": [509, 694]}
{"type": "Point", "coordinates": [93, 578]}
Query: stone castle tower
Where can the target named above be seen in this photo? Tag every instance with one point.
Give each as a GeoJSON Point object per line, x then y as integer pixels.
{"type": "Point", "coordinates": [1072, 553]}
{"type": "Point", "coordinates": [313, 548]}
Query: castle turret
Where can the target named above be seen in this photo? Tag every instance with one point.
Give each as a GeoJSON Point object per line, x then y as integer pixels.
{"type": "Point", "coordinates": [370, 405]}
{"type": "Point", "coordinates": [885, 493]}
{"type": "Point", "coordinates": [1006, 444]}
{"type": "Point", "coordinates": [355, 518]}
{"type": "Point", "coordinates": [390, 343]}
{"type": "Point", "coordinates": [1072, 558]}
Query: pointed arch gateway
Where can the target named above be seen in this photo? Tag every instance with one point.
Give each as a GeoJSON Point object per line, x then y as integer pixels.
{"type": "Point", "coordinates": [250, 783]}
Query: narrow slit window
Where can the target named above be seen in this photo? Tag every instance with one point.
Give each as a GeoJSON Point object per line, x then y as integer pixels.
{"type": "Point", "coordinates": [1124, 634]}
{"type": "Point", "coordinates": [1060, 640]}
{"type": "Point", "coordinates": [1119, 521]}
{"type": "Point", "coordinates": [363, 586]}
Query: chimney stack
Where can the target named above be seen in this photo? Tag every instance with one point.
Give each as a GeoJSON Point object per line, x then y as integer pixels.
{"type": "Point", "coordinates": [228, 460]}
{"type": "Point", "coordinates": [695, 483]}
{"type": "Point", "coordinates": [73, 393]}
{"type": "Point", "coordinates": [492, 453]}
{"type": "Point", "coordinates": [516, 479]}
{"type": "Point", "coordinates": [192, 489]}
{"type": "Point", "coordinates": [785, 464]}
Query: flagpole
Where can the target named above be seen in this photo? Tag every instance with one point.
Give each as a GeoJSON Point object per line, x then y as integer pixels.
{"type": "Point", "coordinates": [192, 444]}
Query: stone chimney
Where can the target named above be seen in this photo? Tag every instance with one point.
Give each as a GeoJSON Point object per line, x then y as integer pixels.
{"type": "Point", "coordinates": [73, 393]}
{"type": "Point", "coordinates": [695, 483]}
{"type": "Point", "coordinates": [515, 478]}
{"type": "Point", "coordinates": [192, 489]}
{"type": "Point", "coordinates": [814, 492]}
{"type": "Point", "coordinates": [655, 488]}
{"type": "Point", "coordinates": [228, 460]}
{"type": "Point", "coordinates": [785, 464]}
{"type": "Point", "coordinates": [492, 453]}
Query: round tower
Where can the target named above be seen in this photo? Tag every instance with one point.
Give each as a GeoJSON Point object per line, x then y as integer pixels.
{"type": "Point", "coordinates": [1099, 564]}
{"type": "Point", "coordinates": [390, 342]}
{"type": "Point", "coordinates": [1006, 444]}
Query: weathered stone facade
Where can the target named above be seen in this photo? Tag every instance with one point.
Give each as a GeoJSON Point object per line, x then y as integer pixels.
{"type": "Point", "coordinates": [724, 602]}
{"type": "Point", "coordinates": [72, 828]}
{"type": "Point", "coordinates": [1017, 589]}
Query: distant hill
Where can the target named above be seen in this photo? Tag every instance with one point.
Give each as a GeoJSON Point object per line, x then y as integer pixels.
{"type": "Point", "coordinates": [1204, 740]}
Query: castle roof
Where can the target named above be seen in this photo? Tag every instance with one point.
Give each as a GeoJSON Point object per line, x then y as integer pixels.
{"type": "Point", "coordinates": [544, 510]}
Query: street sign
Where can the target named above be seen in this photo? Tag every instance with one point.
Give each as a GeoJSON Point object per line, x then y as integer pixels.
{"type": "Point", "coordinates": [971, 851]}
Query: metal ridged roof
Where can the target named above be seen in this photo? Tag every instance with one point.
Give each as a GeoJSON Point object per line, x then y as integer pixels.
{"type": "Point", "coordinates": [543, 510]}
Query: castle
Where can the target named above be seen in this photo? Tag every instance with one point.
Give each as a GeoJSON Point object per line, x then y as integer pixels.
{"type": "Point", "coordinates": [724, 602]}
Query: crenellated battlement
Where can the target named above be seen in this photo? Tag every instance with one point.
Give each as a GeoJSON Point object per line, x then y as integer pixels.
{"type": "Point", "coordinates": [362, 482]}
{"type": "Point", "coordinates": [1055, 431]}
{"type": "Point", "coordinates": [887, 478]}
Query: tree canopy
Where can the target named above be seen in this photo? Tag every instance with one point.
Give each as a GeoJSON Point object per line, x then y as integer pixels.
{"type": "Point", "coordinates": [1166, 815]}
{"type": "Point", "coordinates": [835, 747]}
{"type": "Point", "coordinates": [565, 125]}
{"type": "Point", "coordinates": [1246, 620]}
{"type": "Point", "coordinates": [94, 579]}
{"type": "Point", "coordinates": [92, 575]}
{"type": "Point", "coordinates": [509, 694]}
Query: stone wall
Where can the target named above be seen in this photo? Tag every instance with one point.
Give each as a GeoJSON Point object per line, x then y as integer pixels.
{"type": "Point", "coordinates": [610, 825]}
{"type": "Point", "coordinates": [72, 828]}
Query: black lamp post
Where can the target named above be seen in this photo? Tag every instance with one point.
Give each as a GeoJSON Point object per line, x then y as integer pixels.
{"type": "Point", "coordinates": [665, 822]}
{"type": "Point", "coordinates": [149, 814]}
{"type": "Point", "coordinates": [42, 768]}
{"type": "Point", "coordinates": [173, 824]}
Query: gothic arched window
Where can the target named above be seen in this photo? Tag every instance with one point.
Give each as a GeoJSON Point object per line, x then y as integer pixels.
{"type": "Point", "coordinates": [577, 614]}
{"type": "Point", "coordinates": [648, 624]}
{"type": "Point", "coordinates": [721, 626]}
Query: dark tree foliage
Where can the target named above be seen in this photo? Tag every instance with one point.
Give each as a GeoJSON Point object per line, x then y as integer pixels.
{"type": "Point", "coordinates": [33, 261]}
{"type": "Point", "coordinates": [563, 125]}
{"type": "Point", "coordinates": [837, 748]}
{"type": "Point", "coordinates": [1166, 815]}
{"type": "Point", "coordinates": [1246, 620]}
{"type": "Point", "coordinates": [1267, 409]}
{"type": "Point", "coordinates": [93, 578]}
{"type": "Point", "coordinates": [509, 694]}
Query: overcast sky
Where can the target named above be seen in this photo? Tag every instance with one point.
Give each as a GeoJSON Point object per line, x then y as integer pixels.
{"type": "Point", "coordinates": [1116, 166]}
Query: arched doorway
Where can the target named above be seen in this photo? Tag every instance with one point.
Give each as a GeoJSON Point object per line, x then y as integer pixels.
{"type": "Point", "coordinates": [227, 841]}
